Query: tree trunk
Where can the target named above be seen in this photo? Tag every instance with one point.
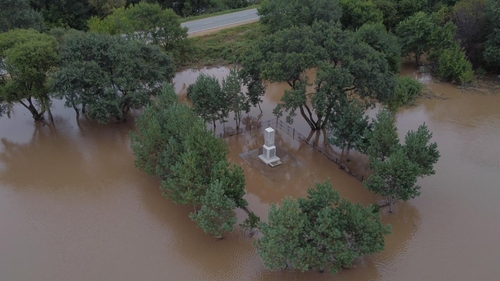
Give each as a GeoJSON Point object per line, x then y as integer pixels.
{"type": "Point", "coordinates": [34, 112]}
{"type": "Point", "coordinates": [391, 203]}
{"type": "Point", "coordinates": [238, 121]}
{"type": "Point", "coordinates": [309, 122]}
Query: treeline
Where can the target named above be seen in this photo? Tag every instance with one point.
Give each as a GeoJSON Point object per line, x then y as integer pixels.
{"type": "Point", "coordinates": [47, 14]}
{"type": "Point", "coordinates": [102, 74]}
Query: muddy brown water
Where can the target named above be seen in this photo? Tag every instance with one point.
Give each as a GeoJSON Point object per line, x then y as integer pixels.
{"type": "Point", "coordinates": [74, 207]}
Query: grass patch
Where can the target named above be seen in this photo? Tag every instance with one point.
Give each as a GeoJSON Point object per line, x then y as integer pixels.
{"type": "Point", "coordinates": [202, 16]}
{"type": "Point", "coordinates": [223, 47]}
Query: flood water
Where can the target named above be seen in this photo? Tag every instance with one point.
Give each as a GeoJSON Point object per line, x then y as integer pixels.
{"type": "Point", "coordinates": [74, 207]}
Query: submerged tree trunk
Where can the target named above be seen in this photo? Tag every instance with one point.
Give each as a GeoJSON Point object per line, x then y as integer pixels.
{"type": "Point", "coordinates": [391, 203]}
{"type": "Point", "coordinates": [34, 112]}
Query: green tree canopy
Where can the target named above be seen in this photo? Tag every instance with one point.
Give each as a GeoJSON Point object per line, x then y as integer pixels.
{"type": "Point", "coordinates": [319, 232]}
{"type": "Point", "coordinates": [282, 14]}
{"type": "Point", "coordinates": [345, 67]}
{"type": "Point", "coordinates": [19, 14]}
{"type": "Point", "coordinates": [236, 98]}
{"type": "Point", "coordinates": [349, 125]}
{"type": "Point", "coordinates": [420, 151]}
{"type": "Point", "coordinates": [375, 35]}
{"type": "Point", "coordinates": [407, 90]}
{"type": "Point", "coordinates": [422, 33]}
{"type": "Point", "coordinates": [355, 13]}
{"type": "Point", "coordinates": [383, 139]}
{"type": "Point", "coordinates": [109, 75]}
{"type": "Point", "coordinates": [209, 101]}
{"type": "Point", "coordinates": [492, 45]}
{"type": "Point", "coordinates": [105, 7]}
{"type": "Point", "coordinates": [397, 167]}
{"type": "Point", "coordinates": [453, 66]}
{"type": "Point", "coordinates": [26, 59]}
{"type": "Point", "coordinates": [395, 11]}
{"type": "Point", "coordinates": [395, 177]}
{"type": "Point", "coordinates": [158, 128]}
{"type": "Point", "coordinates": [64, 13]}
{"type": "Point", "coordinates": [216, 214]}
{"type": "Point", "coordinates": [473, 27]}
{"type": "Point", "coordinates": [148, 23]}
{"type": "Point", "coordinates": [174, 144]}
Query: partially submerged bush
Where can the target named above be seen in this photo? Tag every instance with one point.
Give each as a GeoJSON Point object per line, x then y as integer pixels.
{"type": "Point", "coordinates": [453, 66]}
{"type": "Point", "coordinates": [407, 91]}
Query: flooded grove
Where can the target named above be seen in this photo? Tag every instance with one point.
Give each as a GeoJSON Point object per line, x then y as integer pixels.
{"type": "Point", "coordinates": [74, 207]}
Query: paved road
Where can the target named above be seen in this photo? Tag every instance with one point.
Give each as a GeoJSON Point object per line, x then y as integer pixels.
{"type": "Point", "coordinates": [221, 21]}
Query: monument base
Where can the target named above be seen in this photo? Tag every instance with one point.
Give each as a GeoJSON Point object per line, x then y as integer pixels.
{"type": "Point", "coordinates": [269, 157]}
{"type": "Point", "coordinates": [273, 162]}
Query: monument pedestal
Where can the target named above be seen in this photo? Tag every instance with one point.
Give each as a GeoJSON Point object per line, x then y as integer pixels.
{"type": "Point", "coordinates": [268, 155]}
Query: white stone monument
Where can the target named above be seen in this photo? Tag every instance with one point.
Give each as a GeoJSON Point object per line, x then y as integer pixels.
{"type": "Point", "coordinates": [268, 155]}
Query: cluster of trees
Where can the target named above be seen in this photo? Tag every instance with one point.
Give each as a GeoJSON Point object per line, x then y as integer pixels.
{"type": "Point", "coordinates": [319, 232]}
{"type": "Point", "coordinates": [46, 14]}
{"type": "Point", "coordinates": [456, 36]}
{"type": "Point", "coordinates": [147, 23]}
{"type": "Point", "coordinates": [396, 167]}
{"type": "Point", "coordinates": [213, 102]}
{"type": "Point", "coordinates": [190, 162]}
{"type": "Point", "coordinates": [102, 74]}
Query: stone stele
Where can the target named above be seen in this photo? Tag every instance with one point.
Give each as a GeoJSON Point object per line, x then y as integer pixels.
{"type": "Point", "coordinates": [268, 155]}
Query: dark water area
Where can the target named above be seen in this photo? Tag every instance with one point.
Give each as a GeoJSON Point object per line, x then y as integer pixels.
{"type": "Point", "coordinates": [74, 207]}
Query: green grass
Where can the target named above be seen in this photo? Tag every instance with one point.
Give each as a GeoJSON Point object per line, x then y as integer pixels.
{"type": "Point", "coordinates": [223, 47]}
{"type": "Point", "coordinates": [202, 16]}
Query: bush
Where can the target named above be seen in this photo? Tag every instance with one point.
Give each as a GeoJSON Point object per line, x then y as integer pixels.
{"type": "Point", "coordinates": [407, 90]}
{"type": "Point", "coordinates": [453, 66]}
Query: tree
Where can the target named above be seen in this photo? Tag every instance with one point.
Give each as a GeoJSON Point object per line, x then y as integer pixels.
{"type": "Point", "coordinates": [395, 177]}
{"type": "Point", "coordinates": [383, 139]}
{"type": "Point", "coordinates": [106, 76]}
{"type": "Point", "coordinates": [19, 14]}
{"type": "Point", "coordinates": [174, 144]}
{"type": "Point", "coordinates": [237, 100]}
{"type": "Point", "coordinates": [421, 33]}
{"type": "Point", "coordinates": [283, 235]}
{"type": "Point", "coordinates": [148, 23]}
{"type": "Point", "coordinates": [64, 13]}
{"type": "Point", "coordinates": [395, 11]}
{"type": "Point", "coordinates": [453, 66]}
{"type": "Point", "coordinates": [492, 45]}
{"type": "Point", "coordinates": [250, 75]}
{"type": "Point", "coordinates": [344, 68]}
{"type": "Point", "coordinates": [27, 57]}
{"type": "Point", "coordinates": [208, 99]}
{"type": "Point", "coordinates": [375, 35]}
{"type": "Point", "coordinates": [160, 126]}
{"type": "Point", "coordinates": [216, 215]}
{"type": "Point", "coordinates": [396, 168]}
{"type": "Point", "coordinates": [348, 126]}
{"type": "Point", "coordinates": [282, 14]}
{"type": "Point", "coordinates": [320, 231]}
{"type": "Point", "coordinates": [355, 13]}
{"type": "Point", "coordinates": [407, 90]}
{"type": "Point", "coordinates": [105, 7]}
{"type": "Point", "coordinates": [251, 223]}
{"type": "Point", "coordinates": [420, 151]}
{"type": "Point", "coordinates": [473, 27]}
